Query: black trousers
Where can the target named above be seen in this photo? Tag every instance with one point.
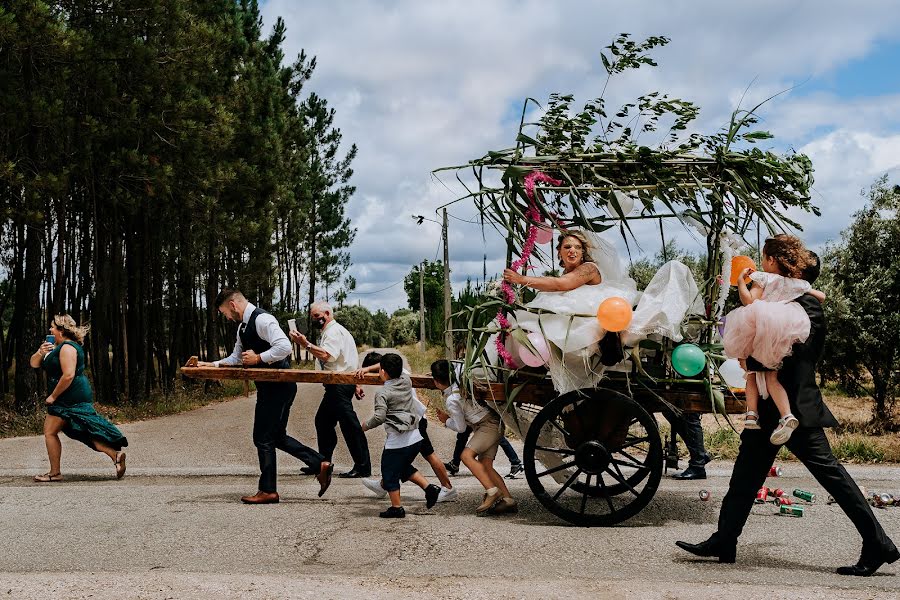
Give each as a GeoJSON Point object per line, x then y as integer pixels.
{"type": "Point", "coordinates": [811, 447]}
{"type": "Point", "coordinates": [337, 408]}
{"type": "Point", "coordinates": [691, 431]}
{"type": "Point", "coordinates": [273, 408]}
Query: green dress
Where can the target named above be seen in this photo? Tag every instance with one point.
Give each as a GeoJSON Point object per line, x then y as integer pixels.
{"type": "Point", "coordinates": [76, 404]}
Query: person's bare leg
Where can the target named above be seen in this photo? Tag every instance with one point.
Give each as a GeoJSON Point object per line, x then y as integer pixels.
{"type": "Point", "coordinates": [778, 393]}
{"type": "Point", "coordinates": [439, 470]}
{"type": "Point", "coordinates": [107, 450]}
{"type": "Point", "coordinates": [395, 498]}
{"type": "Point", "coordinates": [419, 479]}
{"type": "Point", "coordinates": [52, 426]}
{"type": "Point", "coordinates": [495, 477]}
{"type": "Point", "coordinates": [477, 469]}
{"type": "Point", "coordinates": [751, 392]}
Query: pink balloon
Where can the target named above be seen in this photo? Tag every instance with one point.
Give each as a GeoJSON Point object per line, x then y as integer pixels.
{"type": "Point", "coordinates": [544, 235]}
{"type": "Point", "coordinates": [514, 349]}
{"type": "Point", "coordinates": [543, 351]}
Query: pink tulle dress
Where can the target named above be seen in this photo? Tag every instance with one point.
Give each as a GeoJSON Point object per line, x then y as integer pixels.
{"type": "Point", "coordinates": [767, 328]}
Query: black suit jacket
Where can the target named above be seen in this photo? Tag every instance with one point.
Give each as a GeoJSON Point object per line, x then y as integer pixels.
{"type": "Point", "coordinates": [798, 374]}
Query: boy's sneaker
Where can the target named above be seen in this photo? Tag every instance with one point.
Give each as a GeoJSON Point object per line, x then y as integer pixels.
{"type": "Point", "coordinates": [786, 426]}
{"type": "Point", "coordinates": [451, 467]}
{"type": "Point", "coordinates": [488, 501]}
{"type": "Point", "coordinates": [504, 507]}
{"type": "Point", "coordinates": [374, 486]}
{"type": "Point", "coordinates": [432, 492]}
{"type": "Point", "coordinates": [393, 512]}
{"type": "Point", "coordinates": [514, 470]}
{"type": "Point", "coordinates": [448, 495]}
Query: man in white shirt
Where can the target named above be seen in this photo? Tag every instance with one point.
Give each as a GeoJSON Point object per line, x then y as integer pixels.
{"type": "Point", "coordinates": [336, 352]}
{"type": "Point", "coordinates": [261, 343]}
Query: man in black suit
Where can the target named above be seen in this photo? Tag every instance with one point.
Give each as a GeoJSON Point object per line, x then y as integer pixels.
{"type": "Point", "coordinates": [809, 445]}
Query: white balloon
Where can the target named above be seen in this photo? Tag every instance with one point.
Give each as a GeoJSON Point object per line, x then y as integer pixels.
{"type": "Point", "coordinates": [733, 374]}
{"type": "Point", "coordinates": [626, 203]}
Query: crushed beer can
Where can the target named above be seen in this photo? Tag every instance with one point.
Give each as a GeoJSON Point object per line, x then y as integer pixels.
{"type": "Point", "coordinates": [792, 510]}
{"type": "Point", "coordinates": [804, 495]}
{"type": "Point", "coordinates": [704, 495]}
{"type": "Point", "coordinates": [784, 501]}
{"type": "Point", "coordinates": [762, 495]}
{"type": "Point", "coordinates": [883, 500]}
{"type": "Point", "coordinates": [775, 472]}
{"type": "Point", "coordinates": [777, 493]}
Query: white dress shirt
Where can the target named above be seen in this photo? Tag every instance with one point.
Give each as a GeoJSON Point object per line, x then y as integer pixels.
{"type": "Point", "coordinates": [341, 349]}
{"type": "Point", "coordinates": [267, 328]}
{"type": "Point", "coordinates": [462, 411]}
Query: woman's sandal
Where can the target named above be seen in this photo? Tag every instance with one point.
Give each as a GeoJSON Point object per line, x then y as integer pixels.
{"type": "Point", "coordinates": [48, 477]}
{"type": "Point", "coordinates": [120, 464]}
{"type": "Point", "coordinates": [751, 420]}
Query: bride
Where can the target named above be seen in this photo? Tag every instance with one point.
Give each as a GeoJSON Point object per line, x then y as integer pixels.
{"type": "Point", "coordinates": [564, 310]}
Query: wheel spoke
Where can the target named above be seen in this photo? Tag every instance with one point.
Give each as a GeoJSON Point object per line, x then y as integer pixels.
{"type": "Point", "coordinates": [556, 468]}
{"type": "Point", "coordinates": [561, 430]}
{"type": "Point", "coordinates": [635, 462]}
{"type": "Point", "coordinates": [622, 463]}
{"type": "Point", "coordinates": [621, 479]}
{"type": "Point", "coordinates": [563, 451]}
{"type": "Point", "coordinates": [635, 441]}
{"type": "Point", "coordinates": [566, 485]}
{"type": "Point", "coordinates": [606, 494]}
{"type": "Point", "coordinates": [584, 494]}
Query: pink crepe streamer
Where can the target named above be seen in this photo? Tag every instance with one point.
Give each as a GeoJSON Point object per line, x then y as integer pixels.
{"type": "Point", "coordinates": [534, 216]}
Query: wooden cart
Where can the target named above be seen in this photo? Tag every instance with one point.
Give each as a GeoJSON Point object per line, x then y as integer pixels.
{"type": "Point", "coordinates": [592, 458]}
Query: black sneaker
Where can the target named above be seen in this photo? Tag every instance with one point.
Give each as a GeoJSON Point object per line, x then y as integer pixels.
{"type": "Point", "coordinates": [451, 467]}
{"type": "Point", "coordinates": [393, 512]}
{"type": "Point", "coordinates": [431, 495]}
{"type": "Point", "coordinates": [515, 470]}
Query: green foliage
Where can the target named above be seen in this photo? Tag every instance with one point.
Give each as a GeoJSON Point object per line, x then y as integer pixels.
{"type": "Point", "coordinates": [861, 278]}
{"type": "Point", "coordinates": [857, 449]}
{"type": "Point", "coordinates": [151, 153]}
{"type": "Point", "coordinates": [643, 270]}
{"type": "Point", "coordinates": [403, 328]}
{"type": "Point", "coordinates": [433, 292]}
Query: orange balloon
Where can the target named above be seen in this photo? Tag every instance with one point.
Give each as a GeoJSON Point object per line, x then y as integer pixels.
{"type": "Point", "coordinates": [614, 314]}
{"type": "Point", "coordinates": [738, 264]}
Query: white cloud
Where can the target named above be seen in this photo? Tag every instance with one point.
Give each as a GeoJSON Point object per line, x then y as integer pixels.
{"type": "Point", "coordinates": [420, 85]}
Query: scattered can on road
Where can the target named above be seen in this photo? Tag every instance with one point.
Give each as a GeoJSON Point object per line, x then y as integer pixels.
{"type": "Point", "coordinates": [777, 493]}
{"type": "Point", "coordinates": [775, 471]}
{"type": "Point", "coordinates": [762, 495]}
{"type": "Point", "coordinates": [784, 501]}
{"type": "Point", "coordinates": [704, 495]}
{"type": "Point", "coordinates": [792, 510]}
{"type": "Point", "coordinates": [804, 495]}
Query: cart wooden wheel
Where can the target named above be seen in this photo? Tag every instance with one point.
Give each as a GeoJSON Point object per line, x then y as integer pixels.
{"type": "Point", "coordinates": [594, 457]}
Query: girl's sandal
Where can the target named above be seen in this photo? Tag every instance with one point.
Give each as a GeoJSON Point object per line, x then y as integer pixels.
{"type": "Point", "coordinates": [120, 464]}
{"type": "Point", "coordinates": [751, 420]}
{"type": "Point", "coordinates": [48, 477]}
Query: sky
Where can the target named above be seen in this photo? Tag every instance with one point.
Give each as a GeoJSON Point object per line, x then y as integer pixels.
{"type": "Point", "coordinates": [423, 84]}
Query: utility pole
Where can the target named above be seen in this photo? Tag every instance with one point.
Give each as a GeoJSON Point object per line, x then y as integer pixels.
{"type": "Point", "coordinates": [422, 307]}
{"type": "Point", "coordinates": [448, 321]}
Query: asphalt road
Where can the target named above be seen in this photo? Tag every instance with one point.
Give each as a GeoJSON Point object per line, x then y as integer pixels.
{"type": "Point", "coordinates": [174, 528]}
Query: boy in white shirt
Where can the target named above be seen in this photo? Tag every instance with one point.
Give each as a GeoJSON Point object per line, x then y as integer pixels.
{"type": "Point", "coordinates": [481, 448]}
{"type": "Point", "coordinates": [396, 410]}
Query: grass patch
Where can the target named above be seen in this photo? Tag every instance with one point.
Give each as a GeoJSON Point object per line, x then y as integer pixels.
{"type": "Point", "coordinates": [183, 399]}
{"type": "Point", "coordinates": [857, 449]}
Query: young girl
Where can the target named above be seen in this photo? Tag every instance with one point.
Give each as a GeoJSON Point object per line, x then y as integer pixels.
{"type": "Point", "coordinates": [769, 323]}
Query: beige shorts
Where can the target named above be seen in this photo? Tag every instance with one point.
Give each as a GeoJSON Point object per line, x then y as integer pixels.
{"type": "Point", "coordinates": [486, 436]}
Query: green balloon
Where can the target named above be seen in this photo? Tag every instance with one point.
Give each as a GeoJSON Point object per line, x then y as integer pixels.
{"type": "Point", "coordinates": [688, 359]}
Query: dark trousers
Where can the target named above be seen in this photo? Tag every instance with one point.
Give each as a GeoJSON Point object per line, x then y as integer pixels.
{"type": "Point", "coordinates": [337, 407]}
{"type": "Point", "coordinates": [811, 447]}
{"type": "Point", "coordinates": [463, 438]}
{"type": "Point", "coordinates": [270, 419]}
{"type": "Point", "coordinates": [691, 431]}
{"type": "Point", "coordinates": [397, 466]}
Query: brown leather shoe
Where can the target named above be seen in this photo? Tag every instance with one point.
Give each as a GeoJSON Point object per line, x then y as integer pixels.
{"type": "Point", "coordinates": [261, 498]}
{"type": "Point", "coordinates": [324, 476]}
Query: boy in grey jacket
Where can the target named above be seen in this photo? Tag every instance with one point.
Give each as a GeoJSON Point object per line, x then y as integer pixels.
{"type": "Point", "coordinates": [395, 409]}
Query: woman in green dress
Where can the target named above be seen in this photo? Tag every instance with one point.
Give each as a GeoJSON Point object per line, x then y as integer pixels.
{"type": "Point", "coordinates": [70, 407]}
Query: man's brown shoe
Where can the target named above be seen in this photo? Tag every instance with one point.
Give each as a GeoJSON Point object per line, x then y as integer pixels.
{"type": "Point", "coordinates": [488, 501]}
{"type": "Point", "coordinates": [261, 498]}
{"type": "Point", "coordinates": [504, 506]}
{"type": "Point", "coordinates": [324, 477]}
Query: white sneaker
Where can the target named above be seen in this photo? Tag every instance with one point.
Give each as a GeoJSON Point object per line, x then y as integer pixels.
{"type": "Point", "coordinates": [786, 426]}
{"type": "Point", "coordinates": [374, 486]}
{"type": "Point", "coordinates": [448, 495]}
